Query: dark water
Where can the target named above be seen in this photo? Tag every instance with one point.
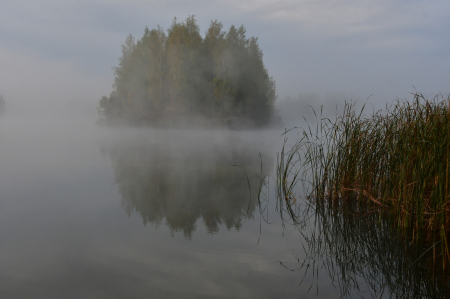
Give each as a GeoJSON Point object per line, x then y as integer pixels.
{"type": "Point", "coordinates": [89, 212]}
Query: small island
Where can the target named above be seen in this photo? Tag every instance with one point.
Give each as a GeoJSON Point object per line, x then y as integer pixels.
{"type": "Point", "coordinates": [173, 77]}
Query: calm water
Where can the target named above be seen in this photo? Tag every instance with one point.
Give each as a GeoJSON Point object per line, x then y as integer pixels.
{"type": "Point", "coordinates": [89, 212]}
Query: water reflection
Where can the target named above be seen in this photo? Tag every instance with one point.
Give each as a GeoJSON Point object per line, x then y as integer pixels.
{"type": "Point", "coordinates": [179, 177]}
{"type": "Point", "coordinates": [361, 254]}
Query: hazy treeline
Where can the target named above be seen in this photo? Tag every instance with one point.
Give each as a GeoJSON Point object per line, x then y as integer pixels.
{"type": "Point", "coordinates": [168, 76]}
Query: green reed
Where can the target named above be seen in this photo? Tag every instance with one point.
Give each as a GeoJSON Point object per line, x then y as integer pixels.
{"type": "Point", "coordinates": [396, 159]}
{"type": "Point", "coordinates": [361, 254]}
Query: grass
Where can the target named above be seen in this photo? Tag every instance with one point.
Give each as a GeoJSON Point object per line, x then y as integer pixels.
{"type": "Point", "coordinates": [396, 160]}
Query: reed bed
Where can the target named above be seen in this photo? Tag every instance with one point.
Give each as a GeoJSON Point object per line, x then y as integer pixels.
{"type": "Point", "coordinates": [396, 160]}
{"type": "Point", "coordinates": [361, 255]}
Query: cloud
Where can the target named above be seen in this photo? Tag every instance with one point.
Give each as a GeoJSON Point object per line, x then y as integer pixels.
{"type": "Point", "coordinates": [90, 26]}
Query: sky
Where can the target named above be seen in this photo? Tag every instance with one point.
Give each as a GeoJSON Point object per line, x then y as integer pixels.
{"type": "Point", "coordinates": [61, 53]}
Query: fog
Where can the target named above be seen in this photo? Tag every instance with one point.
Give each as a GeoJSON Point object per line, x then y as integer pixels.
{"type": "Point", "coordinates": [99, 212]}
{"type": "Point", "coordinates": [54, 52]}
{"type": "Point", "coordinates": [36, 90]}
{"type": "Point", "coordinates": [96, 211]}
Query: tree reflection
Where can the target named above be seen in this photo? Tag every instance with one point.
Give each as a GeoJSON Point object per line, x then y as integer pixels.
{"type": "Point", "coordinates": [361, 254]}
{"type": "Point", "coordinates": [179, 179]}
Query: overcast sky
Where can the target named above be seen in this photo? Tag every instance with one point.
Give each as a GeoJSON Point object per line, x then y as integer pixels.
{"type": "Point", "coordinates": [63, 51]}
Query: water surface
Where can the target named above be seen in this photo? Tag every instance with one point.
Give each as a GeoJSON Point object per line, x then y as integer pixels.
{"type": "Point", "coordinates": [92, 212]}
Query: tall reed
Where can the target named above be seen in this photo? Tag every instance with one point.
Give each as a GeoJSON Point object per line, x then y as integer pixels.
{"type": "Point", "coordinates": [397, 160]}
{"type": "Point", "coordinates": [361, 254]}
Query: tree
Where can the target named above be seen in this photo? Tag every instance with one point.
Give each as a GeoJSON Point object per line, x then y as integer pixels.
{"type": "Point", "coordinates": [179, 74]}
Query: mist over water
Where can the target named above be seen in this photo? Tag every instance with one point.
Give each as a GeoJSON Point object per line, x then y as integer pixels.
{"type": "Point", "coordinates": [152, 169]}
{"type": "Point", "coordinates": [109, 212]}
{"type": "Point", "coordinates": [80, 207]}
{"type": "Point", "coordinates": [95, 211]}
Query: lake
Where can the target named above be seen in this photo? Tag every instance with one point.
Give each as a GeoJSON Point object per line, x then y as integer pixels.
{"type": "Point", "coordinates": [94, 212]}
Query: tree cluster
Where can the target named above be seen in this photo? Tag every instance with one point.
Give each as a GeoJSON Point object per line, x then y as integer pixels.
{"type": "Point", "coordinates": [164, 77]}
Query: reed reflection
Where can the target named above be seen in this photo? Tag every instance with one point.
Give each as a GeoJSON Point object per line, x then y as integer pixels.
{"type": "Point", "coordinates": [178, 180]}
{"type": "Point", "coordinates": [361, 254]}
